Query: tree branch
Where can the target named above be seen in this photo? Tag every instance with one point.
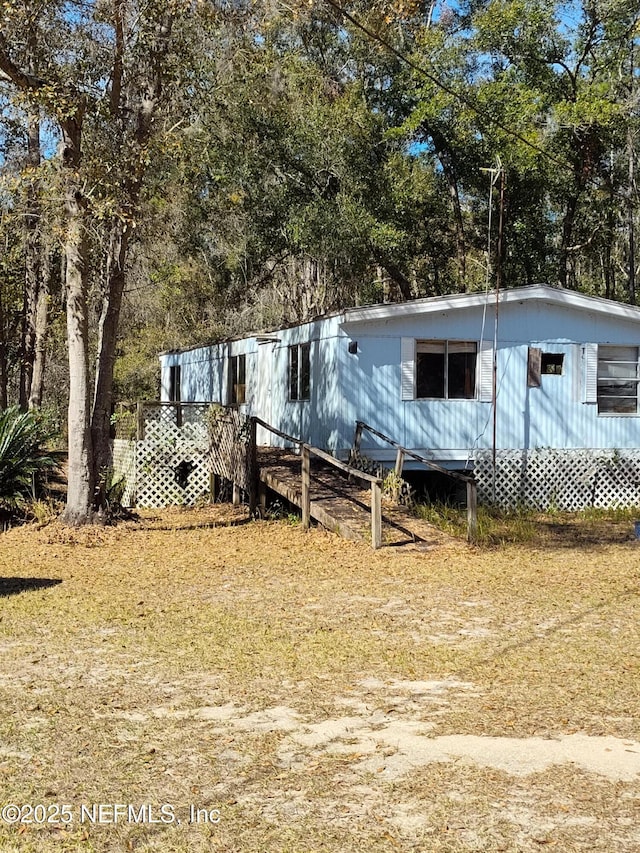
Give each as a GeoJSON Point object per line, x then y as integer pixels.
{"type": "Point", "coordinates": [118, 64]}
{"type": "Point", "coordinates": [9, 71]}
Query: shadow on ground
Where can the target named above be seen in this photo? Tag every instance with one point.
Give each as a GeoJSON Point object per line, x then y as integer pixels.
{"type": "Point", "coordinates": [13, 586]}
{"type": "Point", "coordinates": [572, 532]}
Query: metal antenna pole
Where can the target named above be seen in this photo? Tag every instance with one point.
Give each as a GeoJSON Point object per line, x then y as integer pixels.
{"type": "Point", "coordinates": [495, 173]}
{"type": "Point", "coordinates": [495, 339]}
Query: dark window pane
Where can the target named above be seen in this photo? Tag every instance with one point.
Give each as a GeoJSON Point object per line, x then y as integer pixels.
{"type": "Point", "coordinates": [462, 375]}
{"type": "Point", "coordinates": [430, 374]}
{"type": "Point", "coordinates": [617, 397]}
{"type": "Point", "coordinates": [552, 363]}
{"type": "Point", "coordinates": [233, 379]}
{"type": "Point", "coordinates": [238, 371]}
{"type": "Point", "coordinates": [236, 379]}
{"type": "Point", "coordinates": [174, 384]}
{"type": "Point", "coordinates": [240, 386]}
{"type": "Point", "coordinates": [293, 373]}
{"type": "Point", "coordinates": [618, 380]}
{"type": "Point", "coordinates": [305, 371]}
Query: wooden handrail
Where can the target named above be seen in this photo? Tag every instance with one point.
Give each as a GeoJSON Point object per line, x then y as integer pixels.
{"type": "Point", "coordinates": [406, 452]}
{"type": "Point", "coordinates": [307, 450]}
{"type": "Point", "coordinates": [278, 432]}
{"type": "Point", "coordinates": [401, 452]}
{"type": "Point", "coordinates": [342, 466]}
{"type": "Point", "coordinates": [321, 454]}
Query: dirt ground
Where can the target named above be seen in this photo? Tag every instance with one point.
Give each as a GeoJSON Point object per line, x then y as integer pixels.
{"type": "Point", "coordinates": [196, 682]}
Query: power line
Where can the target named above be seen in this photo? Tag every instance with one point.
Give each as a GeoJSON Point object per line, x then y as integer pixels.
{"type": "Point", "coordinates": [444, 86]}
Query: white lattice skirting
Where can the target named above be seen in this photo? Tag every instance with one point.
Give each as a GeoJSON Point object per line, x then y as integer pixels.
{"type": "Point", "coordinates": [124, 466]}
{"type": "Point", "coordinates": [564, 479]}
{"type": "Point", "coordinates": [167, 468]}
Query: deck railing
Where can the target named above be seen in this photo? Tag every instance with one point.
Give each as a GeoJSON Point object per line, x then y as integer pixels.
{"type": "Point", "coordinates": [402, 452]}
{"type": "Point", "coordinates": [306, 452]}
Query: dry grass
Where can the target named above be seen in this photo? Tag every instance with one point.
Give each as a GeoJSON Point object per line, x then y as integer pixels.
{"type": "Point", "coordinates": [186, 660]}
{"type": "Point", "coordinates": [526, 526]}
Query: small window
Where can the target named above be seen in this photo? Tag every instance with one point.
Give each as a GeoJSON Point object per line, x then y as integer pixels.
{"type": "Point", "coordinates": [300, 371]}
{"type": "Point", "coordinates": [618, 379]}
{"type": "Point", "coordinates": [543, 364]}
{"type": "Point", "coordinates": [446, 370]}
{"type": "Point", "coordinates": [174, 384]}
{"type": "Point", "coordinates": [237, 379]}
{"type": "Point", "coordinates": [551, 363]}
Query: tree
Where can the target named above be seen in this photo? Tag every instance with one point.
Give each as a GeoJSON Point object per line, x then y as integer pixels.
{"type": "Point", "coordinates": [70, 86]}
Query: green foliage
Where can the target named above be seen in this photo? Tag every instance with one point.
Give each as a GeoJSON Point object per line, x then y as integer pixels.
{"type": "Point", "coordinates": [114, 492]}
{"type": "Point", "coordinates": [297, 166]}
{"type": "Point", "coordinates": [23, 455]}
{"type": "Point", "coordinates": [44, 511]}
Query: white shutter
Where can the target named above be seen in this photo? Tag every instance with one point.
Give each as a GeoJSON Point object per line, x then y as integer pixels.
{"type": "Point", "coordinates": [407, 369]}
{"type": "Point", "coordinates": [590, 387]}
{"type": "Point", "coordinates": [576, 378]}
{"type": "Point", "coordinates": [485, 371]}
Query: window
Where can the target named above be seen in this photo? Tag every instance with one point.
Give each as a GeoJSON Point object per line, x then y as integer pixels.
{"type": "Point", "coordinates": [237, 379]}
{"type": "Point", "coordinates": [446, 369]}
{"type": "Point", "coordinates": [618, 380]}
{"type": "Point", "coordinates": [299, 371]}
{"type": "Point", "coordinates": [174, 383]}
{"type": "Point", "coordinates": [543, 364]}
{"type": "Point", "coordinates": [551, 363]}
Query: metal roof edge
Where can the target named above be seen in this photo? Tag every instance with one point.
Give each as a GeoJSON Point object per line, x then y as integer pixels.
{"type": "Point", "coordinates": [263, 333]}
{"type": "Point", "coordinates": [448, 302]}
{"type": "Point", "coordinates": [457, 301]}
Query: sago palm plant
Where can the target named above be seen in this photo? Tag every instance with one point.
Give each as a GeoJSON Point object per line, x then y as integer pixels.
{"type": "Point", "coordinates": [23, 454]}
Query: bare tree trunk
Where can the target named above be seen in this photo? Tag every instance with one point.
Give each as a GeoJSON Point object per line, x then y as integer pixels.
{"type": "Point", "coordinates": [81, 477]}
{"type": "Point", "coordinates": [586, 147]}
{"type": "Point", "coordinates": [608, 250]}
{"type": "Point", "coordinates": [307, 290]}
{"type": "Point", "coordinates": [461, 240]}
{"type": "Point", "coordinates": [396, 275]}
{"type": "Point", "coordinates": [448, 169]}
{"type": "Point", "coordinates": [567, 235]}
{"type": "Point", "coordinates": [40, 354]}
{"type": "Point", "coordinates": [32, 264]}
{"type": "Point", "coordinates": [115, 274]}
{"type": "Point", "coordinates": [107, 340]}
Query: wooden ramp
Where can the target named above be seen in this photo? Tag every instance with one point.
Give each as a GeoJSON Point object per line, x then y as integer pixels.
{"type": "Point", "coordinates": [341, 504]}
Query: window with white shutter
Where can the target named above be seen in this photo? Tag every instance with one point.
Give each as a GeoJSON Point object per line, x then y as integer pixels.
{"type": "Point", "coordinates": [439, 370]}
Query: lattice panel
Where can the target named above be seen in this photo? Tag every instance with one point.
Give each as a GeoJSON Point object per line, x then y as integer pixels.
{"type": "Point", "coordinates": [175, 414]}
{"type": "Point", "coordinates": [230, 438]}
{"type": "Point", "coordinates": [369, 466]}
{"type": "Point", "coordinates": [171, 464]}
{"type": "Point", "coordinates": [566, 479]}
{"type": "Point", "coordinates": [124, 465]}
